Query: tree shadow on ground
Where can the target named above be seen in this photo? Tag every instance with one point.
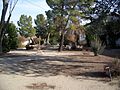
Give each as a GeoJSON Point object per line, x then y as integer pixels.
{"type": "Point", "coordinates": [114, 53]}
{"type": "Point", "coordinates": [37, 65]}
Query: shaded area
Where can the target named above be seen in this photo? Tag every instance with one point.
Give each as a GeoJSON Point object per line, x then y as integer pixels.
{"type": "Point", "coordinates": [115, 53]}
{"type": "Point", "coordinates": [38, 65]}
{"type": "Point", "coordinates": [94, 74]}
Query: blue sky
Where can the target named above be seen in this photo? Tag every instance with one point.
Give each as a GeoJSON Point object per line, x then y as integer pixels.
{"type": "Point", "coordinates": [28, 7]}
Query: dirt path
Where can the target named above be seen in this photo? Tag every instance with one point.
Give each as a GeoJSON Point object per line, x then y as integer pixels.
{"type": "Point", "coordinates": [50, 70]}
{"type": "Point", "coordinates": [60, 82]}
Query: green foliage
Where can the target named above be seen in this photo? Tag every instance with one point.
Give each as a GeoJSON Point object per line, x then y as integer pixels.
{"type": "Point", "coordinates": [10, 40]}
{"type": "Point", "coordinates": [74, 19]}
{"type": "Point", "coordinates": [54, 37]}
{"type": "Point", "coordinates": [59, 12]}
{"type": "Point", "coordinates": [101, 11]}
{"type": "Point", "coordinates": [54, 4]}
{"type": "Point", "coordinates": [25, 26]}
{"type": "Point", "coordinates": [13, 36]}
{"type": "Point", "coordinates": [96, 45]}
{"type": "Point", "coordinates": [72, 27]}
{"type": "Point", "coordinates": [51, 27]}
{"type": "Point", "coordinates": [67, 15]}
{"type": "Point", "coordinates": [113, 26]}
{"type": "Point", "coordinates": [41, 26]}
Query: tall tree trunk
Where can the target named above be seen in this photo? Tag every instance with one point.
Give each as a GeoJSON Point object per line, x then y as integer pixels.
{"type": "Point", "coordinates": [48, 39]}
{"type": "Point", "coordinates": [44, 41]}
{"type": "Point", "coordinates": [2, 22]}
{"type": "Point", "coordinates": [4, 11]}
{"type": "Point", "coordinates": [2, 31]}
{"type": "Point", "coordinates": [39, 42]}
{"type": "Point", "coordinates": [61, 42]}
{"type": "Point", "coordinates": [1, 39]}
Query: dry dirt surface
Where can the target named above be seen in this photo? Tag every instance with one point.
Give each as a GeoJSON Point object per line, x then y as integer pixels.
{"type": "Point", "coordinates": [52, 70]}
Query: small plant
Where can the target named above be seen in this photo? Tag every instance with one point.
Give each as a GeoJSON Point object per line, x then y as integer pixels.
{"type": "Point", "coordinates": [97, 46]}
{"type": "Point", "coordinates": [115, 67]}
{"type": "Point", "coordinates": [113, 70]}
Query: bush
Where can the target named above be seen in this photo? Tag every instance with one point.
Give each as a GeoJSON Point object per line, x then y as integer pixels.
{"type": "Point", "coordinates": [115, 67]}
{"type": "Point", "coordinates": [97, 46]}
{"type": "Point", "coordinates": [10, 39]}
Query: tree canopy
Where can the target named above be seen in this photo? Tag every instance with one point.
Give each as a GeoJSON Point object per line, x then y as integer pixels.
{"type": "Point", "coordinates": [25, 26]}
{"type": "Point", "coordinates": [68, 15]}
{"type": "Point", "coordinates": [41, 25]}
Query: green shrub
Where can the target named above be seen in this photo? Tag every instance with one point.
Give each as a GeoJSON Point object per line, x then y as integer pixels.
{"type": "Point", "coordinates": [97, 46]}
{"type": "Point", "coordinates": [10, 39]}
